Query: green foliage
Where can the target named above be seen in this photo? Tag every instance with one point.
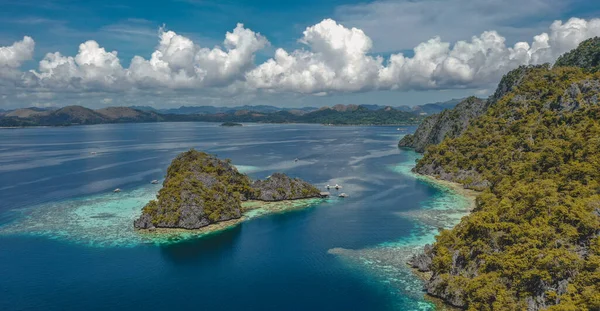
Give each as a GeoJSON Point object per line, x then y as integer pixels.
{"type": "Point", "coordinates": [537, 225]}
{"type": "Point", "coordinates": [586, 56]}
{"type": "Point", "coordinates": [184, 186]}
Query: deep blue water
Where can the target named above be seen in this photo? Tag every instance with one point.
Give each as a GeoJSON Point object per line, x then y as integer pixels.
{"type": "Point", "coordinates": [276, 262]}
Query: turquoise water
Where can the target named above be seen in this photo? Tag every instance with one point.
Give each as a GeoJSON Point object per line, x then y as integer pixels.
{"type": "Point", "coordinates": [68, 243]}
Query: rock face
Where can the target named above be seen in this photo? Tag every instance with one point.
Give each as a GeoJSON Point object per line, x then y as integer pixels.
{"type": "Point", "coordinates": [540, 123]}
{"type": "Point", "coordinates": [453, 122]}
{"type": "Point", "coordinates": [280, 187]}
{"type": "Point", "coordinates": [448, 123]}
{"type": "Point", "coordinates": [201, 189]}
{"type": "Point", "coordinates": [586, 56]}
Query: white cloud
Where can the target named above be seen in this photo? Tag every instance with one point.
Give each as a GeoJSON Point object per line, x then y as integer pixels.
{"type": "Point", "coordinates": [339, 60]}
{"type": "Point", "coordinates": [396, 25]}
{"type": "Point", "coordinates": [335, 59]}
{"type": "Point", "coordinates": [14, 55]}
{"type": "Point", "coordinates": [179, 63]}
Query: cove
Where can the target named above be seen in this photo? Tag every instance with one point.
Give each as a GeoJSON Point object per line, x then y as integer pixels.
{"type": "Point", "coordinates": [64, 246]}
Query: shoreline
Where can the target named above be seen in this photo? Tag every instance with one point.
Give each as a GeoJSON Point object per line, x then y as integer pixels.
{"type": "Point", "coordinates": [250, 209]}
{"type": "Point", "coordinates": [470, 196]}
{"type": "Point", "coordinates": [215, 122]}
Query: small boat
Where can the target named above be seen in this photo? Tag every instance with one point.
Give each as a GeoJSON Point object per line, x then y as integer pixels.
{"type": "Point", "coordinates": [398, 129]}
{"type": "Point", "coordinates": [328, 186]}
{"type": "Point", "coordinates": [342, 195]}
{"type": "Point", "coordinates": [337, 186]}
{"type": "Point", "coordinates": [93, 153]}
{"type": "Point", "coordinates": [296, 160]}
{"type": "Point", "coordinates": [154, 182]}
{"type": "Point", "coordinates": [117, 190]}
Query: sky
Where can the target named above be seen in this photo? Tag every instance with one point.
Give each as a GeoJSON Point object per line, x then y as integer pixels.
{"type": "Point", "coordinates": [282, 53]}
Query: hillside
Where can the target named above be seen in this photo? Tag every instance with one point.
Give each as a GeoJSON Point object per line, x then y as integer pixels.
{"type": "Point", "coordinates": [448, 123]}
{"type": "Point", "coordinates": [337, 115]}
{"type": "Point", "coordinates": [453, 122]}
{"type": "Point", "coordinates": [533, 241]}
{"type": "Point", "coordinates": [77, 115]}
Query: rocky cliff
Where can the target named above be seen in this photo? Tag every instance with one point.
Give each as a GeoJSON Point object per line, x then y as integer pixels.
{"type": "Point", "coordinates": [448, 123]}
{"type": "Point", "coordinates": [280, 187]}
{"type": "Point", "coordinates": [201, 189]}
{"type": "Point", "coordinates": [453, 122]}
{"type": "Point", "coordinates": [533, 241]}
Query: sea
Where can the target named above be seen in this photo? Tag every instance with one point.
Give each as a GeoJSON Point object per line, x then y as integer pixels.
{"type": "Point", "coordinates": [67, 240]}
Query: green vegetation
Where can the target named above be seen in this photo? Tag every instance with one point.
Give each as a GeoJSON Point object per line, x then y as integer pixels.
{"type": "Point", "coordinates": [586, 56]}
{"type": "Point", "coordinates": [358, 115]}
{"type": "Point", "coordinates": [198, 183]}
{"type": "Point", "coordinates": [201, 189]}
{"type": "Point", "coordinates": [231, 124]}
{"type": "Point", "coordinates": [533, 239]}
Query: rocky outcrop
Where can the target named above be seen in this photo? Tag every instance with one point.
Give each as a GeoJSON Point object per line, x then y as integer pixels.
{"type": "Point", "coordinates": [448, 123]}
{"type": "Point", "coordinates": [453, 122]}
{"type": "Point", "coordinates": [280, 187]}
{"type": "Point", "coordinates": [586, 56]}
{"type": "Point", "coordinates": [536, 115]}
{"type": "Point", "coordinates": [201, 189]}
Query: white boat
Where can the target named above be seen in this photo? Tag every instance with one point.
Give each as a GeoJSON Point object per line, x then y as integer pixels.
{"type": "Point", "coordinates": [337, 186]}
{"type": "Point", "coordinates": [117, 190]}
{"type": "Point", "coordinates": [93, 152]}
{"type": "Point", "coordinates": [296, 160]}
{"type": "Point", "coordinates": [328, 186]}
{"type": "Point", "coordinates": [154, 182]}
{"type": "Point", "coordinates": [342, 195]}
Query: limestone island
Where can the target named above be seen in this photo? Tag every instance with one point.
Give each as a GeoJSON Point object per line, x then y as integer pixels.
{"type": "Point", "coordinates": [231, 124]}
{"type": "Point", "coordinates": [202, 192]}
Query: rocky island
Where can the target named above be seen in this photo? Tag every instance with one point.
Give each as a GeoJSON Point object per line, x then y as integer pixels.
{"type": "Point", "coordinates": [200, 190]}
{"type": "Point", "coordinates": [231, 124]}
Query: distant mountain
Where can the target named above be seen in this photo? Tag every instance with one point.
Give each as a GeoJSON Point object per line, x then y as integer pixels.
{"type": "Point", "coordinates": [215, 110]}
{"type": "Point", "coordinates": [425, 109]}
{"type": "Point", "coordinates": [336, 115]}
{"type": "Point", "coordinates": [26, 112]}
{"type": "Point", "coordinates": [74, 115]}
{"type": "Point", "coordinates": [437, 107]}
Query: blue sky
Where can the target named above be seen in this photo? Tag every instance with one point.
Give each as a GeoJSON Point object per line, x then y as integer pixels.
{"type": "Point", "coordinates": [132, 28]}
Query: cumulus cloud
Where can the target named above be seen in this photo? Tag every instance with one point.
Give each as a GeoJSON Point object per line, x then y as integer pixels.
{"type": "Point", "coordinates": [333, 58]}
{"type": "Point", "coordinates": [338, 59]}
{"type": "Point", "coordinates": [178, 62]}
{"type": "Point", "coordinates": [14, 55]}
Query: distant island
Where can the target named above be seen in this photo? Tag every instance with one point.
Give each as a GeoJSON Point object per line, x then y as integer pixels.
{"type": "Point", "coordinates": [336, 115]}
{"type": "Point", "coordinates": [533, 150]}
{"type": "Point", "coordinates": [201, 190]}
{"type": "Point", "coordinates": [231, 124]}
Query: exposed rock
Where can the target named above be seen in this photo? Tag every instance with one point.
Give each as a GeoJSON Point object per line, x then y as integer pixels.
{"type": "Point", "coordinates": [448, 123]}
{"type": "Point", "coordinates": [586, 56]}
{"type": "Point", "coordinates": [439, 287]}
{"type": "Point", "coordinates": [200, 190]}
{"type": "Point", "coordinates": [422, 261]}
{"type": "Point", "coordinates": [280, 187]}
{"type": "Point", "coordinates": [453, 122]}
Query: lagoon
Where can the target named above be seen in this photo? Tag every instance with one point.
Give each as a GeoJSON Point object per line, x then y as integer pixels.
{"type": "Point", "coordinates": [67, 240]}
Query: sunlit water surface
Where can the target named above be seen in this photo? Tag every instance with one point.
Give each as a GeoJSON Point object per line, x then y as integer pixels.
{"type": "Point", "coordinates": [67, 240]}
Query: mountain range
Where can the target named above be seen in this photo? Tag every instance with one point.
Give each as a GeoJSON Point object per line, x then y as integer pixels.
{"type": "Point", "coordinates": [336, 115]}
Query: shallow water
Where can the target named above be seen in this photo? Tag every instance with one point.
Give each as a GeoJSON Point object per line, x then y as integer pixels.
{"type": "Point", "coordinates": [67, 241]}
